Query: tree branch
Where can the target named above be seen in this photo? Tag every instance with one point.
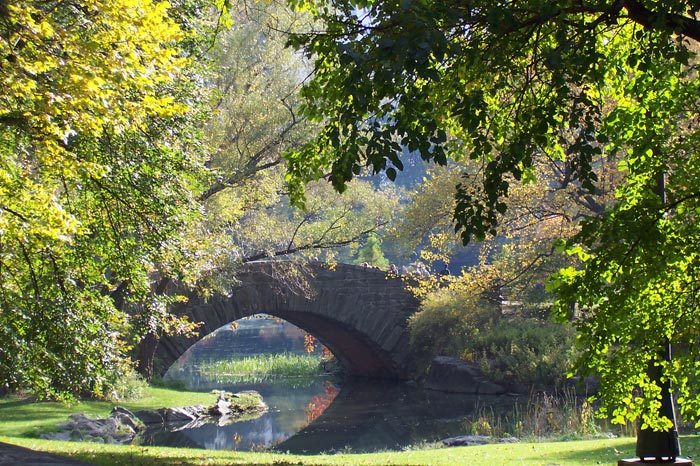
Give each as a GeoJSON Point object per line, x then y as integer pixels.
{"type": "Point", "coordinates": [296, 230]}
{"type": "Point", "coordinates": [252, 166]}
{"type": "Point", "coordinates": [14, 212]}
{"type": "Point", "coordinates": [313, 245]}
{"type": "Point", "coordinates": [679, 24]}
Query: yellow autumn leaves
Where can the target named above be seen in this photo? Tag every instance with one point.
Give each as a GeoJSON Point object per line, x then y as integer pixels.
{"type": "Point", "coordinates": [73, 69]}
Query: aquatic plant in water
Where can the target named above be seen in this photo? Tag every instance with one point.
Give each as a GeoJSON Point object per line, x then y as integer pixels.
{"type": "Point", "coordinates": [265, 367]}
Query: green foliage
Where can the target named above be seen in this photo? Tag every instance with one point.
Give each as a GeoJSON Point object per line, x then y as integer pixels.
{"type": "Point", "coordinates": [447, 320]}
{"type": "Point", "coordinates": [562, 416]}
{"type": "Point", "coordinates": [523, 352]}
{"type": "Point", "coordinates": [458, 320]}
{"type": "Point", "coordinates": [510, 86]}
{"type": "Point", "coordinates": [130, 387]}
{"type": "Point", "coordinates": [638, 290]}
{"type": "Point", "coordinates": [436, 333]}
{"type": "Point", "coordinates": [263, 367]}
{"type": "Point", "coordinates": [428, 209]}
{"type": "Point", "coordinates": [256, 118]}
{"type": "Point", "coordinates": [517, 352]}
{"type": "Point", "coordinates": [371, 253]}
{"type": "Point", "coordinates": [98, 161]}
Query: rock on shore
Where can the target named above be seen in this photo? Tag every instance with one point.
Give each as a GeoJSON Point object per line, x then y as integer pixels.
{"type": "Point", "coordinates": [121, 426]}
{"type": "Point", "coordinates": [453, 375]}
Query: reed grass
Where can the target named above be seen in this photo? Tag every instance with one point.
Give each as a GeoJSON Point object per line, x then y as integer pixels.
{"type": "Point", "coordinates": [264, 367]}
{"type": "Point", "coordinates": [557, 416]}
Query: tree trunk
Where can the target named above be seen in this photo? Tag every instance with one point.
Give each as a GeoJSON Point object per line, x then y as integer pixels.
{"type": "Point", "coordinates": [146, 355]}
{"type": "Point", "coordinates": [147, 346]}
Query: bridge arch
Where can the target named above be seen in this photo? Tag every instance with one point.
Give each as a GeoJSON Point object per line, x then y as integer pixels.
{"type": "Point", "coordinates": [358, 312]}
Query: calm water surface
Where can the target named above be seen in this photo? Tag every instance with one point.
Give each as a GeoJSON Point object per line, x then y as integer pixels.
{"type": "Point", "coordinates": [316, 415]}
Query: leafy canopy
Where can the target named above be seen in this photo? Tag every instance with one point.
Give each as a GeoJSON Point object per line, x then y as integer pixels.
{"type": "Point", "coordinates": [97, 162]}
{"type": "Point", "coordinates": [255, 121]}
{"type": "Point", "coordinates": [510, 85]}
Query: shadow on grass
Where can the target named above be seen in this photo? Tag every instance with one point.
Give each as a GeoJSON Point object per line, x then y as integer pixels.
{"type": "Point", "coordinates": [170, 384]}
{"type": "Point", "coordinates": [557, 453]}
{"type": "Point", "coordinates": [147, 457]}
{"type": "Point", "coordinates": [597, 455]}
{"type": "Point", "coordinates": [20, 414]}
{"type": "Point", "coordinates": [13, 404]}
{"type": "Point", "coordinates": [690, 446]}
{"type": "Point", "coordinates": [153, 458]}
{"type": "Point", "coordinates": [28, 418]}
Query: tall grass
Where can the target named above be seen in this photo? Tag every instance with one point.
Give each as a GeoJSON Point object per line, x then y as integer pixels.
{"type": "Point", "coordinates": [264, 367]}
{"type": "Point", "coordinates": [562, 416]}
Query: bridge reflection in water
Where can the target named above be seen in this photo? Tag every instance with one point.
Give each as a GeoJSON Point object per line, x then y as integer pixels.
{"type": "Point", "coordinates": [370, 416]}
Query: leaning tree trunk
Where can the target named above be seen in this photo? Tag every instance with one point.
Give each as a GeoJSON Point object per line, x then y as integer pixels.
{"type": "Point", "coordinates": [146, 355]}
{"type": "Point", "coordinates": [147, 346]}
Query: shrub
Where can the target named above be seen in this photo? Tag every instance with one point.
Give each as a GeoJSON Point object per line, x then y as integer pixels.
{"type": "Point", "coordinates": [457, 321]}
{"type": "Point", "coordinates": [523, 352]}
{"type": "Point", "coordinates": [131, 386]}
{"type": "Point", "coordinates": [447, 320]}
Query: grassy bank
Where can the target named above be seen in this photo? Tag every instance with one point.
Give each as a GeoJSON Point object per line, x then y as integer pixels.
{"type": "Point", "coordinates": [264, 367]}
{"type": "Point", "coordinates": [577, 453]}
{"type": "Point", "coordinates": [22, 418]}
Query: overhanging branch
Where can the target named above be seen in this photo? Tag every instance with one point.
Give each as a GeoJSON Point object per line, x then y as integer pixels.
{"type": "Point", "coordinates": [682, 25]}
{"type": "Point", "coordinates": [313, 245]}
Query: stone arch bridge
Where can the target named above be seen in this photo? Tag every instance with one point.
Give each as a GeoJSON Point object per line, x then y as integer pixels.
{"type": "Point", "coordinates": [359, 313]}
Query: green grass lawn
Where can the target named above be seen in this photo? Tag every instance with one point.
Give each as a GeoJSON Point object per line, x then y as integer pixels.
{"type": "Point", "coordinates": [21, 420]}
{"type": "Point", "coordinates": [576, 453]}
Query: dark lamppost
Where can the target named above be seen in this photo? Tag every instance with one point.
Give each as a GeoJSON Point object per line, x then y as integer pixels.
{"type": "Point", "coordinates": [660, 447]}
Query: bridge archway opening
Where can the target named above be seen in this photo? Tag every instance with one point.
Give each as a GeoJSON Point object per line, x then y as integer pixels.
{"type": "Point", "coordinates": [354, 354]}
{"type": "Point", "coordinates": [259, 335]}
{"type": "Point", "coordinates": [360, 314]}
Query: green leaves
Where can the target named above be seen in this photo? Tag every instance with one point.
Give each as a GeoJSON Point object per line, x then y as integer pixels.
{"type": "Point", "coordinates": [543, 83]}
{"type": "Point", "coordinates": [98, 160]}
{"type": "Point", "coordinates": [636, 289]}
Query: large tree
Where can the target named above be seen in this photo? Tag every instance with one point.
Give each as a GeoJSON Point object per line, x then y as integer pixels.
{"type": "Point", "coordinates": [513, 84]}
{"type": "Point", "coordinates": [255, 120]}
{"type": "Point", "coordinates": [99, 159]}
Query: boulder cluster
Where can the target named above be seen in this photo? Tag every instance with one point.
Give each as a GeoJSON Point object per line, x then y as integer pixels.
{"type": "Point", "coordinates": [122, 425]}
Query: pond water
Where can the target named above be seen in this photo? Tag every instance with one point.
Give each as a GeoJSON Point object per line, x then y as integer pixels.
{"type": "Point", "coordinates": [319, 414]}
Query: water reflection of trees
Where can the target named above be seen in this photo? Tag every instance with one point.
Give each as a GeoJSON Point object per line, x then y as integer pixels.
{"type": "Point", "coordinates": [319, 403]}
